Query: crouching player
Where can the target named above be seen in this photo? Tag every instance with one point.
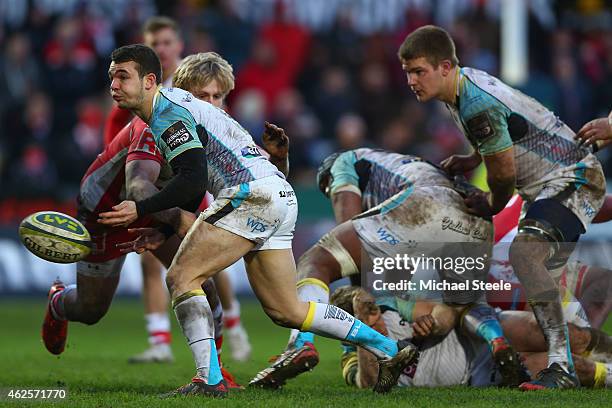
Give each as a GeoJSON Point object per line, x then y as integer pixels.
{"type": "Point", "coordinates": [253, 216]}
{"type": "Point", "coordinates": [458, 359]}
{"type": "Point", "coordinates": [404, 200]}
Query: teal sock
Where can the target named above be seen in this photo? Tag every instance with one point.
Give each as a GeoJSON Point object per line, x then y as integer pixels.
{"type": "Point", "coordinates": [304, 337]}
{"type": "Point", "coordinates": [367, 337]}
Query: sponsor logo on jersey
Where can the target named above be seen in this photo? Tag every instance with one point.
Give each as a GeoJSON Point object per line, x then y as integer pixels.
{"type": "Point", "coordinates": [480, 126]}
{"type": "Point", "coordinates": [250, 151]}
{"type": "Point", "coordinates": [176, 135]}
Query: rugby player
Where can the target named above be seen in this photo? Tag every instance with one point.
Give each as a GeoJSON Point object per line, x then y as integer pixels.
{"type": "Point", "coordinates": [130, 161]}
{"type": "Point", "coordinates": [163, 35]}
{"type": "Point", "coordinates": [457, 359]}
{"type": "Point", "coordinates": [524, 146]}
{"type": "Point", "coordinates": [253, 216]}
{"type": "Point", "coordinates": [383, 201]}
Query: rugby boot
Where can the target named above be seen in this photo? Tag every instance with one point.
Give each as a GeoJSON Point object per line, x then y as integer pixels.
{"type": "Point", "coordinates": [550, 378]}
{"type": "Point", "coordinates": [157, 353]}
{"type": "Point", "coordinates": [54, 330]}
{"type": "Point", "coordinates": [390, 369]}
{"type": "Point", "coordinates": [290, 364]}
{"type": "Point", "coordinates": [509, 364]}
{"type": "Point", "coordinates": [197, 386]}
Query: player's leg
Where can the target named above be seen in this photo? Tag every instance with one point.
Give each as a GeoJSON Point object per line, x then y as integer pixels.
{"type": "Point", "coordinates": [481, 320]}
{"type": "Point", "coordinates": [155, 299]}
{"type": "Point", "coordinates": [87, 301]}
{"type": "Point", "coordinates": [591, 373]}
{"type": "Point", "coordinates": [272, 277]}
{"type": "Point", "coordinates": [539, 247]}
{"type": "Point", "coordinates": [595, 293]}
{"type": "Point", "coordinates": [337, 254]}
{"type": "Point", "coordinates": [204, 251]}
{"type": "Point", "coordinates": [234, 330]}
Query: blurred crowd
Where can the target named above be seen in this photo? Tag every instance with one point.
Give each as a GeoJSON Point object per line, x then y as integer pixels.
{"type": "Point", "coordinates": [326, 71]}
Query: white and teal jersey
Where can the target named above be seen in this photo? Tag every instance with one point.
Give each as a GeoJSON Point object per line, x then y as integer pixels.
{"type": "Point", "coordinates": [378, 174]}
{"type": "Point", "coordinates": [495, 117]}
{"type": "Point", "coordinates": [180, 122]}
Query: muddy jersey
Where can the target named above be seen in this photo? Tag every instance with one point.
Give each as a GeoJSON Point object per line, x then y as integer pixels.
{"type": "Point", "coordinates": [103, 185]}
{"type": "Point", "coordinates": [495, 117]}
{"type": "Point", "coordinates": [377, 174]}
{"type": "Point", "coordinates": [180, 122]}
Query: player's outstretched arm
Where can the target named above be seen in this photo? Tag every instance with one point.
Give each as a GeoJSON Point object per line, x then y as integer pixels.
{"type": "Point", "coordinates": [188, 183]}
{"type": "Point", "coordinates": [346, 204]}
{"type": "Point", "coordinates": [276, 143]}
{"type": "Point", "coordinates": [141, 176]}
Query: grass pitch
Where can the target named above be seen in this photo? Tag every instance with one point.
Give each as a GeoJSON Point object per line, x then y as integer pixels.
{"type": "Point", "coordinates": [95, 372]}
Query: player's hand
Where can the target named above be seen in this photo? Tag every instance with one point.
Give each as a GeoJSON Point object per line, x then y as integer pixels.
{"type": "Point", "coordinates": [275, 141]}
{"type": "Point", "coordinates": [123, 214]}
{"type": "Point", "coordinates": [460, 163]}
{"type": "Point", "coordinates": [148, 239]}
{"type": "Point", "coordinates": [423, 326]}
{"type": "Point", "coordinates": [479, 204]}
{"type": "Point", "coordinates": [593, 131]}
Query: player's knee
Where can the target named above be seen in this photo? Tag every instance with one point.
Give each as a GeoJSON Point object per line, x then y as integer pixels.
{"type": "Point", "coordinates": [280, 317]}
{"type": "Point", "coordinates": [315, 263]}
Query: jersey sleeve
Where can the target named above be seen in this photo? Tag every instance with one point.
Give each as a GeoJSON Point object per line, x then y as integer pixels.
{"type": "Point", "coordinates": [485, 121]}
{"type": "Point", "coordinates": [142, 144]}
{"type": "Point", "coordinates": [174, 130]}
{"type": "Point", "coordinates": [343, 172]}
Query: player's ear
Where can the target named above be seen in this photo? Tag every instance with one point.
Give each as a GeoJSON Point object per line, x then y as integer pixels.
{"type": "Point", "coordinates": [445, 67]}
{"type": "Point", "coordinates": [150, 81]}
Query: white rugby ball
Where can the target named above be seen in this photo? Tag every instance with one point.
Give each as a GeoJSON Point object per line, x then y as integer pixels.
{"type": "Point", "coordinates": [55, 237]}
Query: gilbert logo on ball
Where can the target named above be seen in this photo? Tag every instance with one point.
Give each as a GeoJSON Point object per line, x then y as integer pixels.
{"type": "Point", "coordinates": [55, 237]}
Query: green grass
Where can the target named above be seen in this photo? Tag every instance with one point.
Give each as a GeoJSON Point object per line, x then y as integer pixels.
{"type": "Point", "coordinates": [94, 369]}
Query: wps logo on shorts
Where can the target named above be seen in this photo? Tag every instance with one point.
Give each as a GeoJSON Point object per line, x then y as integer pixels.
{"type": "Point", "coordinates": [176, 135]}
{"type": "Point", "coordinates": [386, 237]}
{"type": "Point", "coordinates": [256, 226]}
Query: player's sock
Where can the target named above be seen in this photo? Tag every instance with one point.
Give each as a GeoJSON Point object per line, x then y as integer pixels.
{"type": "Point", "coordinates": [231, 316]}
{"type": "Point", "coordinates": [195, 318]}
{"type": "Point", "coordinates": [58, 308]}
{"type": "Point", "coordinates": [549, 314]}
{"type": "Point", "coordinates": [331, 321]}
{"type": "Point", "coordinates": [603, 375]}
{"type": "Point", "coordinates": [600, 346]}
{"type": "Point", "coordinates": [158, 327]}
{"type": "Point", "coordinates": [308, 290]}
{"type": "Point", "coordinates": [482, 321]}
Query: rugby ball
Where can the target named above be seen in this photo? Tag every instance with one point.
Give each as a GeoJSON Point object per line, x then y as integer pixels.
{"type": "Point", "coordinates": [55, 237]}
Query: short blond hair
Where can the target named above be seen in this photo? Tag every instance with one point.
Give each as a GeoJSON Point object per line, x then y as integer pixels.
{"type": "Point", "coordinates": [200, 69]}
